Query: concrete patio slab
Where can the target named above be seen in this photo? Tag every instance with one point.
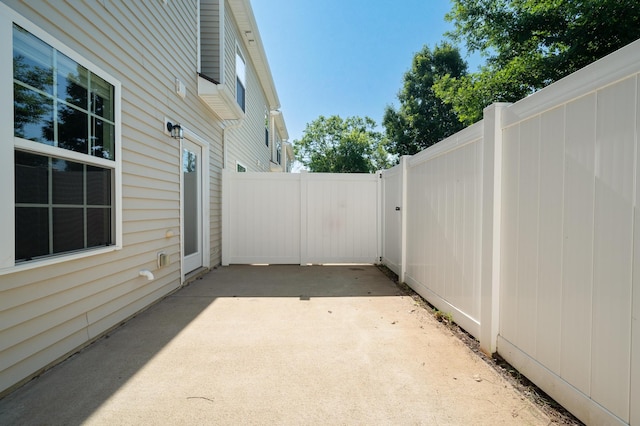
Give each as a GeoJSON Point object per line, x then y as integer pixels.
{"type": "Point", "coordinates": [275, 345]}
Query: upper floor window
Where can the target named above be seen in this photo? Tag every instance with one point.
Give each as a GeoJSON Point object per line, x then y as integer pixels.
{"type": "Point", "coordinates": [240, 79]}
{"type": "Point", "coordinates": [279, 153]}
{"type": "Point", "coordinates": [59, 102]}
{"type": "Point", "coordinates": [65, 161]}
{"type": "Point", "coordinates": [266, 127]}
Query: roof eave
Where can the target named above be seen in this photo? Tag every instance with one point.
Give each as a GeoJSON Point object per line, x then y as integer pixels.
{"type": "Point", "coordinates": [250, 35]}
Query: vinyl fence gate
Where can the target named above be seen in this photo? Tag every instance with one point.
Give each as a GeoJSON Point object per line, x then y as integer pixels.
{"type": "Point", "coordinates": [306, 218]}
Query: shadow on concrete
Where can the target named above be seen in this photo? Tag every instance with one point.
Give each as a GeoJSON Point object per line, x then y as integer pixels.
{"type": "Point", "coordinates": [73, 390]}
{"type": "Point", "coordinates": [295, 281]}
{"type": "Point", "coordinates": [70, 392]}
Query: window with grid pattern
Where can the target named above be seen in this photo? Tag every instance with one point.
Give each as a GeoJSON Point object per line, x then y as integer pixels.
{"type": "Point", "coordinates": [64, 152]}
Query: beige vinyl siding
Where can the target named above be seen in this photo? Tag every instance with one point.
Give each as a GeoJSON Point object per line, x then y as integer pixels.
{"type": "Point", "coordinates": [210, 38]}
{"type": "Point", "coordinates": [215, 200]}
{"type": "Point", "coordinates": [229, 68]}
{"type": "Point", "coordinates": [48, 312]}
{"type": "Point", "coordinates": [246, 143]}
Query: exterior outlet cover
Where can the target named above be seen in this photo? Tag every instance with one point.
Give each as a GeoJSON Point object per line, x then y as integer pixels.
{"type": "Point", "coordinates": [163, 259]}
{"type": "Point", "coordinates": [180, 88]}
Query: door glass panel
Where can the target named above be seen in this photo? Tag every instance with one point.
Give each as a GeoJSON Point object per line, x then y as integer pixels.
{"type": "Point", "coordinates": [190, 172]}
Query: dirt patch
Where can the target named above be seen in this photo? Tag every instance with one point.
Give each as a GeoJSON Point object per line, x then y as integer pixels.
{"type": "Point", "coordinates": [556, 412]}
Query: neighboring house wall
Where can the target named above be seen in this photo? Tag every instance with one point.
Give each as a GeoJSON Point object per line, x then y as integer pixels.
{"type": "Point", "coordinates": [47, 312]}
{"type": "Point", "coordinates": [279, 135]}
{"type": "Point", "coordinates": [246, 143]}
{"type": "Point", "coordinates": [247, 119]}
{"type": "Point", "coordinates": [288, 158]}
{"type": "Point", "coordinates": [276, 152]}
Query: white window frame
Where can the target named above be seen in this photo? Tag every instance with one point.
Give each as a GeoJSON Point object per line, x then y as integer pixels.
{"type": "Point", "coordinates": [243, 78]}
{"type": "Point", "coordinates": [267, 127]}
{"type": "Point", "coordinates": [7, 169]}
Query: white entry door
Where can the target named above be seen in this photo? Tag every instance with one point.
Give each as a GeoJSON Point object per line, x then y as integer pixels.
{"type": "Point", "coordinates": [192, 205]}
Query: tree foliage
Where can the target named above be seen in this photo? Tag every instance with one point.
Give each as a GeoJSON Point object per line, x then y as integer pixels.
{"type": "Point", "coordinates": [30, 107]}
{"type": "Point", "coordinates": [422, 118]}
{"type": "Point", "coordinates": [530, 44]}
{"type": "Point", "coordinates": [336, 145]}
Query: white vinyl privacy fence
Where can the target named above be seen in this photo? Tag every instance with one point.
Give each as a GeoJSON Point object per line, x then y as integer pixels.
{"type": "Point", "coordinates": [441, 209]}
{"type": "Point", "coordinates": [300, 218]}
{"type": "Point", "coordinates": [524, 226]}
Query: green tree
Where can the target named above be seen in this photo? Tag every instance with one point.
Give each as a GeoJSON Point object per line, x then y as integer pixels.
{"type": "Point", "coordinates": [423, 119]}
{"type": "Point", "coordinates": [530, 44]}
{"type": "Point", "coordinates": [31, 109]}
{"type": "Point", "coordinates": [334, 145]}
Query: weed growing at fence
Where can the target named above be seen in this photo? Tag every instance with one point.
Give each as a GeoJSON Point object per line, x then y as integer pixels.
{"type": "Point", "coordinates": [444, 317]}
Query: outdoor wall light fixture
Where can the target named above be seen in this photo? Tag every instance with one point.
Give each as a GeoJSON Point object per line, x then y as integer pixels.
{"type": "Point", "coordinates": [175, 130]}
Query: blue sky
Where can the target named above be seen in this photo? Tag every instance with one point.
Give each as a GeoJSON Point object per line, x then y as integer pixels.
{"type": "Point", "coordinates": [344, 57]}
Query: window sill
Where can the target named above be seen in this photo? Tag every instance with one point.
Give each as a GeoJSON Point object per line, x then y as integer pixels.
{"type": "Point", "coordinates": [33, 264]}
